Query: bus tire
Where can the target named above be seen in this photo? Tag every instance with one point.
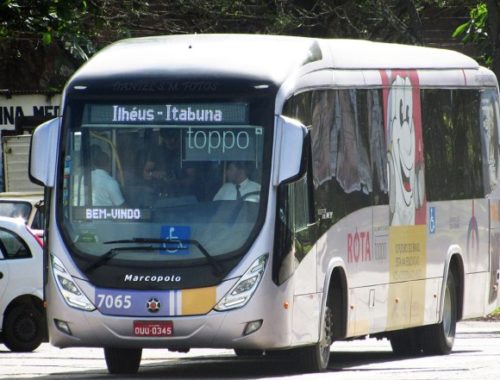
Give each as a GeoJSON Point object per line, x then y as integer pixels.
{"type": "Point", "coordinates": [438, 339]}
{"type": "Point", "coordinates": [315, 358]}
{"type": "Point", "coordinates": [24, 328]}
{"type": "Point", "coordinates": [247, 352]}
{"type": "Point", "coordinates": [123, 360]}
{"type": "Point", "coordinates": [405, 342]}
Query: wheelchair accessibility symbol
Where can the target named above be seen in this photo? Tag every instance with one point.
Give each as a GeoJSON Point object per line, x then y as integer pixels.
{"type": "Point", "coordinates": [432, 220]}
{"type": "Point", "coordinates": [177, 238]}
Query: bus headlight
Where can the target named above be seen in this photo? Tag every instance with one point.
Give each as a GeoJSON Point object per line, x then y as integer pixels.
{"type": "Point", "coordinates": [243, 290]}
{"type": "Point", "coordinates": [71, 293]}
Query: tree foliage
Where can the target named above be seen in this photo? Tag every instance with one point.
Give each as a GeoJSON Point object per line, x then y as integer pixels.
{"type": "Point", "coordinates": [483, 30]}
{"type": "Point", "coordinates": [475, 31]}
{"type": "Point", "coordinates": [47, 22]}
{"type": "Point", "coordinates": [74, 29]}
{"type": "Point", "coordinates": [81, 26]}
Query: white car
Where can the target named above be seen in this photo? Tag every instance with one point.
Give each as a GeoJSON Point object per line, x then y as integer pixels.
{"type": "Point", "coordinates": [22, 315]}
{"type": "Point", "coordinates": [27, 205]}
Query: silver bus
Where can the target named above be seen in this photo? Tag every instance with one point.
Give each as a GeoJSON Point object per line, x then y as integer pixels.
{"type": "Point", "coordinates": [269, 194]}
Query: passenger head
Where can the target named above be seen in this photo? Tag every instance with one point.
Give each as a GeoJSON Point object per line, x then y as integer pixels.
{"type": "Point", "coordinates": [100, 159]}
{"type": "Point", "coordinates": [170, 138]}
{"type": "Point", "coordinates": [236, 172]}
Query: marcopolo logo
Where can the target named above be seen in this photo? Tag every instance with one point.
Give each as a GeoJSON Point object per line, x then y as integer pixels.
{"type": "Point", "coordinates": [151, 278]}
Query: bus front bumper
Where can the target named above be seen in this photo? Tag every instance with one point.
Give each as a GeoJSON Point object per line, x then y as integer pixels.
{"type": "Point", "coordinates": [69, 327]}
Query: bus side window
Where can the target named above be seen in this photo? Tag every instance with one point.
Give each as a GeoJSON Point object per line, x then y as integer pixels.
{"type": "Point", "coordinates": [283, 258]}
{"type": "Point", "coordinates": [489, 119]}
{"type": "Point", "coordinates": [296, 230]}
{"type": "Point", "coordinates": [348, 153]}
{"type": "Point", "coordinates": [451, 135]}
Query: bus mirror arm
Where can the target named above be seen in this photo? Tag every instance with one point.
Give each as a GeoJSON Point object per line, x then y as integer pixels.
{"type": "Point", "coordinates": [43, 153]}
{"type": "Point", "coordinates": [289, 137]}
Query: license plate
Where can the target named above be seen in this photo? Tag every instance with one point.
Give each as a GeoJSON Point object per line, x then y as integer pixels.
{"type": "Point", "coordinates": [153, 328]}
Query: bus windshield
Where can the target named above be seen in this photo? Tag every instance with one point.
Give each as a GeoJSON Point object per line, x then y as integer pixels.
{"type": "Point", "coordinates": [161, 183]}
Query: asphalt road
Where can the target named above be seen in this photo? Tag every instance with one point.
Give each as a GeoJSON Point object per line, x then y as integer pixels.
{"type": "Point", "coordinates": [475, 357]}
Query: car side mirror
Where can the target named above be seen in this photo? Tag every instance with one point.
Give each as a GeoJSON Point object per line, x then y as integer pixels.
{"type": "Point", "coordinates": [43, 153]}
{"type": "Point", "coordinates": [289, 137]}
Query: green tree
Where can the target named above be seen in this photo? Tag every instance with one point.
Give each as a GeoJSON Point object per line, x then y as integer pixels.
{"type": "Point", "coordinates": [53, 37]}
{"type": "Point", "coordinates": [42, 42]}
{"type": "Point", "coordinates": [483, 30]}
{"type": "Point", "coordinates": [48, 22]}
{"type": "Point", "coordinates": [82, 26]}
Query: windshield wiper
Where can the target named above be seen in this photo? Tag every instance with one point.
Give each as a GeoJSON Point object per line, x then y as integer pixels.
{"type": "Point", "coordinates": [112, 253]}
{"type": "Point", "coordinates": [210, 259]}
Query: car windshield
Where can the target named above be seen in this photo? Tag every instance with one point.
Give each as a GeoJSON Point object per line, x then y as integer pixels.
{"type": "Point", "coordinates": [178, 181]}
{"type": "Point", "coordinates": [15, 209]}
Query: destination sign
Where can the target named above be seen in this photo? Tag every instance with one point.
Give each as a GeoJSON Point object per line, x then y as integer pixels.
{"type": "Point", "coordinates": [166, 114]}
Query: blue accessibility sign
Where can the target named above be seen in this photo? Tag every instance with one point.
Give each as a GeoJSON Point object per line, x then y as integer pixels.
{"type": "Point", "coordinates": [432, 220]}
{"type": "Point", "coordinates": [177, 239]}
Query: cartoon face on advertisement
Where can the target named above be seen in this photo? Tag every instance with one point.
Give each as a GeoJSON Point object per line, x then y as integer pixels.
{"type": "Point", "coordinates": [405, 177]}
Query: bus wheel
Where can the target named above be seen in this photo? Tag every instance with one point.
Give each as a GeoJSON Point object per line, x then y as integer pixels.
{"type": "Point", "coordinates": [123, 360]}
{"type": "Point", "coordinates": [23, 328]}
{"type": "Point", "coordinates": [438, 339]}
{"type": "Point", "coordinates": [247, 352]}
{"type": "Point", "coordinates": [405, 342]}
{"type": "Point", "coordinates": [315, 358]}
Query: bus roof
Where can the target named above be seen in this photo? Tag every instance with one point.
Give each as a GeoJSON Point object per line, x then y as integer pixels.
{"type": "Point", "coordinates": [259, 57]}
{"type": "Point", "coordinates": [361, 54]}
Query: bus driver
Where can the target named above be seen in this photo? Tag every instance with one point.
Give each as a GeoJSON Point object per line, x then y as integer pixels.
{"type": "Point", "coordinates": [238, 185]}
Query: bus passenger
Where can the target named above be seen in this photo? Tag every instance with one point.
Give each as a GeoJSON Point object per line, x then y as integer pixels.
{"type": "Point", "coordinates": [238, 185]}
{"type": "Point", "coordinates": [163, 163]}
{"type": "Point", "coordinates": [163, 170]}
{"type": "Point", "coordinates": [105, 189]}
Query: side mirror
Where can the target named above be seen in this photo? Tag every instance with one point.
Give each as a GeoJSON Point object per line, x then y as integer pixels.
{"type": "Point", "coordinates": [289, 139]}
{"type": "Point", "coordinates": [43, 153]}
